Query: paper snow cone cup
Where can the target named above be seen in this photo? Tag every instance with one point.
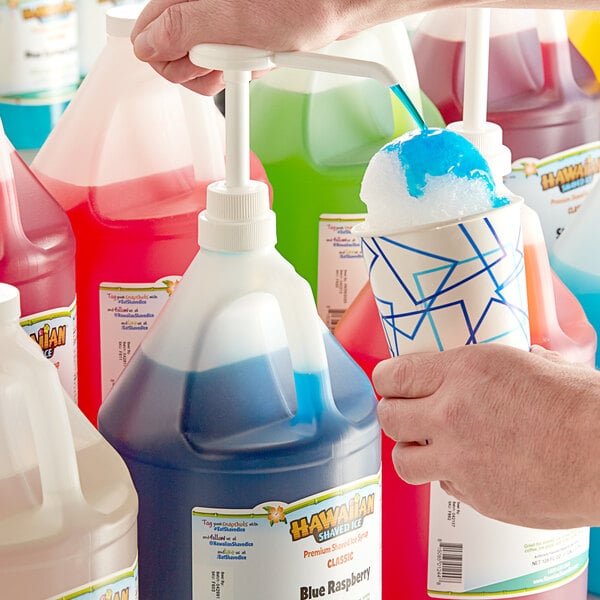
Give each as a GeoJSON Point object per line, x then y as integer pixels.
{"type": "Point", "coordinates": [450, 284]}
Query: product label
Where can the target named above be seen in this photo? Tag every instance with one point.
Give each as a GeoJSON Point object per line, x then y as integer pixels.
{"type": "Point", "coordinates": [476, 557]}
{"type": "Point", "coordinates": [38, 50]}
{"type": "Point", "coordinates": [127, 311]}
{"type": "Point", "coordinates": [341, 269]}
{"type": "Point", "coordinates": [119, 586]}
{"type": "Point", "coordinates": [556, 186]}
{"type": "Point", "coordinates": [326, 545]}
{"type": "Point", "coordinates": [56, 333]}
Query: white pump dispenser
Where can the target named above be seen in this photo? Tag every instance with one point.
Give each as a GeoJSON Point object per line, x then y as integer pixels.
{"type": "Point", "coordinates": [237, 231]}
{"type": "Point", "coordinates": [237, 215]}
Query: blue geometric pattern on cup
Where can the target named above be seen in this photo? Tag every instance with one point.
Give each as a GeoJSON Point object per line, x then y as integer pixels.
{"type": "Point", "coordinates": [473, 298]}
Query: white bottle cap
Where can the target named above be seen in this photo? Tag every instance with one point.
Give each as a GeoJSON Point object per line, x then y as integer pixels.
{"type": "Point", "coordinates": [10, 303]}
{"type": "Point", "coordinates": [237, 219]}
{"type": "Point", "coordinates": [121, 19]}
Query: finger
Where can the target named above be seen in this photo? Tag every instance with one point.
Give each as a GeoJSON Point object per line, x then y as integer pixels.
{"type": "Point", "coordinates": [451, 489]}
{"type": "Point", "coordinates": [550, 355]}
{"type": "Point", "coordinates": [173, 31]}
{"type": "Point", "coordinates": [151, 11]}
{"type": "Point", "coordinates": [410, 376]}
{"type": "Point", "coordinates": [180, 71]}
{"type": "Point", "coordinates": [208, 85]}
{"type": "Point", "coordinates": [406, 420]}
{"type": "Point", "coordinates": [416, 464]}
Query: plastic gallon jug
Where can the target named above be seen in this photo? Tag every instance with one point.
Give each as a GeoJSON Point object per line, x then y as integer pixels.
{"type": "Point", "coordinates": [315, 133]}
{"type": "Point", "coordinates": [37, 255]}
{"type": "Point", "coordinates": [67, 504]}
{"type": "Point", "coordinates": [39, 70]}
{"type": "Point", "coordinates": [550, 124]}
{"type": "Point", "coordinates": [129, 162]}
{"type": "Point", "coordinates": [250, 433]}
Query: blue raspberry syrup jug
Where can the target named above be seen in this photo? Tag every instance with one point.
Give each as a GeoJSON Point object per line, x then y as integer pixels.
{"type": "Point", "coordinates": [250, 434]}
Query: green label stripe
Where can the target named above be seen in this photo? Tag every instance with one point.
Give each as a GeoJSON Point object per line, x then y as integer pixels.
{"type": "Point", "coordinates": [542, 163]}
{"type": "Point", "coordinates": [101, 584]}
{"type": "Point", "coordinates": [293, 507]}
{"type": "Point", "coordinates": [524, 584]}
{"type": "Point", "coordinates": [67, 312]}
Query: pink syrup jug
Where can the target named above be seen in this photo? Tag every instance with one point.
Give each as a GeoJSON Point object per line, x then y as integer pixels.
{"type": "Point", "coordinates": [129, 162]}
{"type": "Point", "coordinates": [37, 255]}
{"type": "Point", "coordinates": [550, 124]}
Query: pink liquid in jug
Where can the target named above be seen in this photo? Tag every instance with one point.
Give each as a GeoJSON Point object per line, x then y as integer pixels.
{"type": "Point", "coordinates": [37, 255]}
{"type": "Point", "coordinates": [532, 92]}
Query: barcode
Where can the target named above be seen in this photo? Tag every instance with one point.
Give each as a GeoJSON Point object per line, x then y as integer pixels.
{"type": "Point", "coordinates": [451, 562]}
{"type": "Point", "coordinates": [333, 317]}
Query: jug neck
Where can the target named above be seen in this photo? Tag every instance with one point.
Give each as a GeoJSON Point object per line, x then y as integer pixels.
{"type": "Point", "coordinates": [12, 235]}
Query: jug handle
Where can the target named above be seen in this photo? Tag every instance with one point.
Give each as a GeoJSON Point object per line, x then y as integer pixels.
{"type": "Point", "coordinates": [552, 27]}
{"type": "Point", "coordinates": [35, 381]}
{"type": "Point", "coordinates": [304, 330]}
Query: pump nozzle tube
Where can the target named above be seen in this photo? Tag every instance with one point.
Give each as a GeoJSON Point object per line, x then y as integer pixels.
{"type": "Point", "coordinates": [232, 59]}
{"type": "Point", "coordinates": [313, 61]}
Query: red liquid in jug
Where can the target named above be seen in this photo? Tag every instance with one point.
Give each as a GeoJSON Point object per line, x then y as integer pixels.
{"type": "Point", "coordinates": [136, 231]}
{"type": "Point", "coordinates": [122, 239]}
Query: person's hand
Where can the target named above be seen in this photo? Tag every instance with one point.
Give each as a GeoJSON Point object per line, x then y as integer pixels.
{"type": "Point", "coordinates": [516, 435]}
{"type": "Point", "coordinates": [166, 30]}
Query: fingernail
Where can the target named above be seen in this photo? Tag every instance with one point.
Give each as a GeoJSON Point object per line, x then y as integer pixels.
{"type": "Point", "coordinates": [143, 45]}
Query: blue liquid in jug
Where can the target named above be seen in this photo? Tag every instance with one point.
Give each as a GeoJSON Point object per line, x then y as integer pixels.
{"type": "Point", "coordinates": [232, 437]}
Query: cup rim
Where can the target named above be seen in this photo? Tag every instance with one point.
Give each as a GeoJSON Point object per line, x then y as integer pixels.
{"type": "Point", "coordinates": [362, 230]}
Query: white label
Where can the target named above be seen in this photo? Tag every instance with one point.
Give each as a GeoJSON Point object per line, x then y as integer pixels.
{"type": "Point", "coordinates": [119, 586]}
{"type": "Point", "coordinates": [127, 311]}
{"type": "Point", "coordinates": [56, 333]}
{"type": "Point", "coordinates": [342, 272]}
{"type": "Point", "coordinates": [556, 186]}
{"type": "Point", "coordinates": [476, 557]}
{"type": "Point", "coordinates": [38, 49]}
{"type": "Point", "coordinates": [326, 545]}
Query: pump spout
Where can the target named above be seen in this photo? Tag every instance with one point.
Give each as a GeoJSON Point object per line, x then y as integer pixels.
{"type": "Point", "coordinates": [314, 61]}
{"type": "Point", "coordinates": [242, 58]}
{"type": "Point", "coordinates": [226, 58]}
